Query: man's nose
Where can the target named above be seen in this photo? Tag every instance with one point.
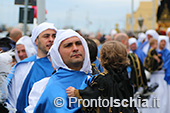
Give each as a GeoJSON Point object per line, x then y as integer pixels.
{"type": "Point", "coordinates": [75, 48]}
{"type": "Point", "coordinates": [51, 38]}
{"type": "Point", "coordinates": [20, 54]}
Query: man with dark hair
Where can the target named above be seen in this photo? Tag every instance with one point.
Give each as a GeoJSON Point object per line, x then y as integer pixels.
{"type": "Point", "coordinates": [93, 55]}
{"type": "Point", "coordinates": [25, 73]}
{"type": "Point", "coordinates": [70, 57]}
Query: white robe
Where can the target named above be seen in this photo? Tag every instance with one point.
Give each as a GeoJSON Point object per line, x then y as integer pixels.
{"type": "Point", "coordinates": [161, 93]}
{"type": "Point", "coordinates": [146, 49]}
{"type": "Point", "coordinates": [21, 71]}
{"type": "Point", "coordinates": [35, 94]}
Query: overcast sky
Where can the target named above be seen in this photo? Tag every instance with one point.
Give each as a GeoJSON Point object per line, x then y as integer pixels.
{"type": "Point", "coordinates": [93, 15]}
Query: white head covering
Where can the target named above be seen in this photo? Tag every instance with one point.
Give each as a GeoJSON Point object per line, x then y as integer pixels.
{"type": "Point", "coordinates": [141, 37]}
{"type": "Point", "coordinates": [132, 40]}
{"type": "Point", "coordinates": [55, 55]}
{"type": "Point", "coordinates": [40, 28]}
{"type": "Point", "coordinates": [161, 37]}
{"type": "Point", "coordinates": [168, 30]}
{"type": "Point", "coordinates": [29, 47]}
{"type": "Point", "coordinates": [153, 33]}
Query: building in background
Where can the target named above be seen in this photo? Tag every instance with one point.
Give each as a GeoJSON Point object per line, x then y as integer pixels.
{"type": "Point", "coordinates": [144, 11]}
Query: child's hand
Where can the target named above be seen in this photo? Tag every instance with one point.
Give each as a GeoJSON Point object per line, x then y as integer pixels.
{"type": "Point", "coordinates": [158, 60]}
{"type": "Point", "coordinates": [70, 91]}
{"type": "Point", "coordinates": [159, 55]}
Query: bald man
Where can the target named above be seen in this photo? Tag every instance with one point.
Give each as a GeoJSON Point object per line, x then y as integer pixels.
{"type": "Point", "coordinates": [136, 64]}
{"type": "Point", "coordinates": [122, 37]}
{"type": "Point", "coordinates": [22, 74]}
{"type": "Point", "coordinates": [15, 34]}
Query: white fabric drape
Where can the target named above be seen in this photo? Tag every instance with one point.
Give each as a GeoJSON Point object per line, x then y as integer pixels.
{"type": "Point", "coordinates": [29, 47]}
{"type": "Point", "coordinates": [55, 55]}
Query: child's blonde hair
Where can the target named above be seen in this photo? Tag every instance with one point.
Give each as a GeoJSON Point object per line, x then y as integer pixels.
{"type": "Point", "coordinates": [152, 41]}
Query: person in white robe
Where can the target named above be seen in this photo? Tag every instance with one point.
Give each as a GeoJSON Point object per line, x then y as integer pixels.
{"type": "Point", "coordinates": [28, 49]}
{"type": "Point", "coordinates": [161, 93]}
{"type": "Point", "coordinates": [5, 67]}
{"type": "Point", "coordinates": [141, 39]}
{"type": "Point", "coordinates": [20, 71]}
{"type": "Point", "coordinates": [39, 87]}
{"type": "Point", "coordinates": [150, 34]}
{"type": "Point", "coordinates": [133, 47]}
{"type": "Point", "coordinates": [35, 94]}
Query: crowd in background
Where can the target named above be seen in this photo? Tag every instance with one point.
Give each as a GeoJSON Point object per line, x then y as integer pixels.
{"type": "Point", "coordinates": [148, 53]}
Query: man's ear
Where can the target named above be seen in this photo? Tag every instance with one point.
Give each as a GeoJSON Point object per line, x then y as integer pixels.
{"type": "Point", "coordinates": [36, 41]}
{"type": "Point", "coordinates": [123, 42]}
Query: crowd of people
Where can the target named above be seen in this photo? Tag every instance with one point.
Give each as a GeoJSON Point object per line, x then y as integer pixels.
{"type": "Point", "coordinates": [64, 63]}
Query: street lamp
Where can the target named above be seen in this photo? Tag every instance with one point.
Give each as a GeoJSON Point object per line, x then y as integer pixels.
{"type": "Point", "coordinates": [140, 22]}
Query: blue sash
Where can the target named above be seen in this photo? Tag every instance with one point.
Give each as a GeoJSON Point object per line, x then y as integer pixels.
{"type": "Point", "coordinates": [143, 44]}
{"type": "Point", "coordinates": [166, 64]}
{"type": "Point", "coordinates": [140, 54]}
{"type": "Point", "coordinates": [165, 57]}
{"type": "Point", "coordinates": [40, 69]}
{"type": "Point", "coordinates": [56, 87]}
{"type": "Point", "coordinates": [167, 75]}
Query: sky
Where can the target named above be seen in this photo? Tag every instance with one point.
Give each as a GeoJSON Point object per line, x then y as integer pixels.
{"type": "Point", "coordinates": [86, 15]}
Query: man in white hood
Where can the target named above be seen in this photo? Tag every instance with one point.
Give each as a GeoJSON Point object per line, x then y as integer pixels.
{"type": "Point", "coordinates": [24, 48]}
{"type": "Point", "coordinates": [70, 57]}
{"type": "Point", "coordinates": [150, 34]}
{"type": "Point", "coordinates": [43, 37]}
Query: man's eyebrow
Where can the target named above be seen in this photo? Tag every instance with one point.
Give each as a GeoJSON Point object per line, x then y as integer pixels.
{"type": "Point", "coordinates": [49, 34]}
{"type": "Point", "coordinates": [46, 34]}
{"type": "Point", "coordinates": [78, 41]}
{"type": "Point", "coordinates": [67, 43]}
